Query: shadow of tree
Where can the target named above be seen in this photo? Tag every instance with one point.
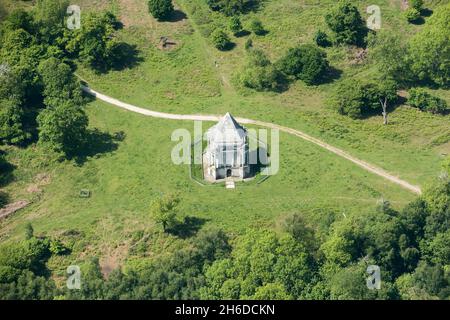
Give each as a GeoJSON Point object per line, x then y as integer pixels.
{"type": "Point", "coordinates": [242, 33]}
{"type": "Point", "coordinates": [98, 143]}
{"type": "Point", "coordinates": [188, 227]}
{"type": "Point", "coordinates": [330, 76]}
{"type": "Point", "coordinates": [4, 199]}
{"type": "Point", "coordinates": [426, 12]}
{"type": "Point", "coordinates": [175, 16]}
{"type": "Point", "coordinates": [125, 56]}
{"type": "Point", "coordinates": [6, 171]}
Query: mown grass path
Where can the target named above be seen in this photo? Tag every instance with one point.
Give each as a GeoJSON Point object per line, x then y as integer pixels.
{"type": "Point", "coordinates": [365, 165]}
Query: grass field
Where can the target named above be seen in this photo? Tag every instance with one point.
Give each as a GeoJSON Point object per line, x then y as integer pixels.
{"type": "Point", "coordinates": [193, 77]}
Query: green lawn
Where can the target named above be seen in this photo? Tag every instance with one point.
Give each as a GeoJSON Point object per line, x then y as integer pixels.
{"type": "Point", "coordinates": [124, 182]}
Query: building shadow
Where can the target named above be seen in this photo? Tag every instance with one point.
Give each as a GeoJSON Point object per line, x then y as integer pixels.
{"type": "Point", "coordinates": [188, 227]}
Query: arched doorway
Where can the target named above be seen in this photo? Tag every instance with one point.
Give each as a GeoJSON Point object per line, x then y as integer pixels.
{"type": "Point", "coordinates": [229, 172]}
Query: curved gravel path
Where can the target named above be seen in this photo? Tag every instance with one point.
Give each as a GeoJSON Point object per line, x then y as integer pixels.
{"type": "Point", "coordinates": [365, 165]}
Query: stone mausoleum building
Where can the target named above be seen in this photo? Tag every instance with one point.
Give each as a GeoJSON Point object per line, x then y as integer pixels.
{"type": "Point", "coordinates": [227, 153]}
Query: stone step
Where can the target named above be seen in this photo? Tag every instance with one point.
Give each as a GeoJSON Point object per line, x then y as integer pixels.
{"type": "Point", "coordinates": [229, 184]}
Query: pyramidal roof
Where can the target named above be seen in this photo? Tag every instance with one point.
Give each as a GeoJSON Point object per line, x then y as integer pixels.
{"type": "Point", "coordinates": [227, 130]}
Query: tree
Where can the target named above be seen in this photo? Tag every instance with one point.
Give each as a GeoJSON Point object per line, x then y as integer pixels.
{"type": "Point", "coordinates": [257, 27]}
{"type": "Point", "coordinates": [220, 39]}
{"type": "Point", "coordinates": [95, 42]}
{"type": "Point", "coordinates": [60, 84]}
{"type": "Point", "coordinates": [235, 25]}
{"type": "Point", "coordinates": [429, 52]}
{"type": "Point", "coordinates": [381, 93]}
{"type": "Point", "coordinates": [63, 128]}
{"type": "Point", "coordinates": [232, 7]}
{"type": "Point", "coordinates": [262, 265]}
{"type": "Point", "coordinates": [345, 21]}
{"type": "Point", "coordinates": [421, 99]}
{"type": "Point", "coordinates": [260, 74]}
{"type": "Point", "coordinates": [20, 19]}
{"type": "Point", "coordinates": [321, 39]}
{"type": "Point", "coordinates": [29, 231]}
{"type": "Point", "coordinates": [348, 99]}
{"type": "Point", "coordinates": [389, 52]}
{"type": "Point", "coordinates": [49, 16]}
{"type": "Point", "coordinates": [163, 211]}
{"type": "Point", "coordinates": [416, 4]}
{"type": "Point", "coordinates": [412, 15]}
{"type": "Point", "coordinates": [306, 62]}
{"type": "Point", "coordinates": [357, 99]}
{"type": "Point", "coordinates": [12, 130]}
{"type": "Point", "coordinates": [160, 9]}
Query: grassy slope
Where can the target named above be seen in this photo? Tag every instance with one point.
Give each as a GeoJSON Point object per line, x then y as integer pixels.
{"type": "Point", "coordinates": [311, 180]}
{"type": "Point", "coordinates": [187, 81]}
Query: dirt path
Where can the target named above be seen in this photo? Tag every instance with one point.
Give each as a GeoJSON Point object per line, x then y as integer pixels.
{"type": "Point", "coordinates": [365, 165]}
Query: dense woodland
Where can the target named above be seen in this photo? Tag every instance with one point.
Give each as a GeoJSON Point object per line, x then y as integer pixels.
{"type": "Point", "coordinates": [41, 102]}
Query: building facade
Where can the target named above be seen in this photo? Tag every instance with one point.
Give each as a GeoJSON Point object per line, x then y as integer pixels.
{"type": "Point", "coordinates": [227, 153]}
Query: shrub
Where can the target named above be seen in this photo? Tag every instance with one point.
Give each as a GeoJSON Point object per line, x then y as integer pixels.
{"type": "Point", "coordinates": [160, 9]}
{"type": "Point", "coordinates": [248, 44]}
{"type": "Point", "coordinates": [416, 4]}
{"type": "Point", "coordinates": [306, 62]}
{"type": "Point", "coordinates": [232, 7]}
{"type": "Point", "coordinates": [257, 27]}
{"type": "Point", "coordinates": [321, 39]}
{"type": "Point", "coordinates": [345, 21]}
{"type": "Point", "coordinates": [220, 39]}
{"type": "Point", "coordinates": [419, 98]}
{"type": "Point", "coordinates": [260, 74]}
{"type": "Point", "coordinates": [235, 25]}
{"type": "Point", "coordinates": [412, 15]}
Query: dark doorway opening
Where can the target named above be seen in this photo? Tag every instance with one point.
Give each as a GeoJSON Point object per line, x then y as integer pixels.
{"type": "Point", "coordinates": [228, 173]}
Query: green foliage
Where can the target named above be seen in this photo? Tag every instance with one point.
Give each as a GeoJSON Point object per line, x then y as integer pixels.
{"type": "Point", "coordinates": [387, 51]}
{"type": "Point", "coordinates": [235, 25]}
{"type": "Point", "coordinates": [421, 99]}
{"type": "Point", "coordinates": [321, 39]}
{"type": "Point", "coordinates": [357, 99]}
{"type": "Point", "coordinates": [429, 52]}
{"type": "Point", "coordinates": [20, 19]}
{"type": "Point", "coordinates": [95, 42]}
{"type": "Point", "coordinates": [60, 84]}
{"type": "Point", "coordinates": [29, 231]}
{"type": "Point", "coordinates": [50, 18]}
{"type": "Point", "coordinates": [12, 130]}
{"type": "Point", "coordinates": [232, 7]}
{"type": "Point", "coordinates": [412, 15]}
{"type": "Point", "coordinates": [257, 27]}
{"type": "Point", "coordinates": [163, 211]}
{"type": "Point", "coordinates": [220, 39]}
{"type": "Point", "coordinates": [346, 23]}
{"type": "Point", "coordinates": [63, 128]}
{"type": "Point", "coordinates": [306, 62]}
{"type": "Point", "coordinates": [160, 9]}
{"type": "Point", "coordinates": [57, 247]}
{"type": "Point", "coordinates": [261, 265]}
{"type": "Point", "coordinates": [260, 74]}
{"type": "Point", "coordinates": [416, 4]}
